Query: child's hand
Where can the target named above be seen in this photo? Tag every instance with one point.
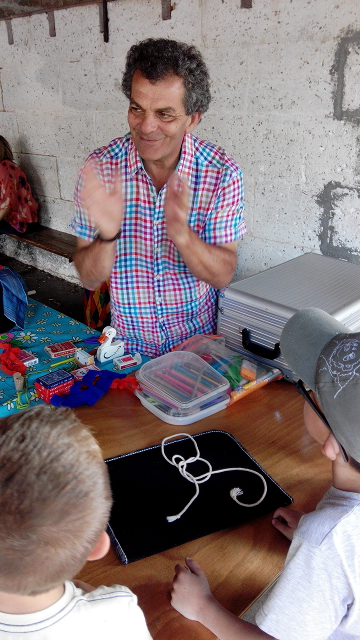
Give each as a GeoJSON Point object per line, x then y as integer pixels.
{"type": "Point", "coordinates": [286, 521]}
{"type": "Point", "coordinates": [190, 591]}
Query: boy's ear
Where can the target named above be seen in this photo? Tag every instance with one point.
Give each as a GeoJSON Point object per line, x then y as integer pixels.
{"type": "Point", "coordinates": [101, 548]}
{"type": "Point", "coordinates": [330, 447]}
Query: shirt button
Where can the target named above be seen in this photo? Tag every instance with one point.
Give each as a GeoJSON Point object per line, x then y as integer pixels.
{"type": "Point", "coordinates": [158, 300]}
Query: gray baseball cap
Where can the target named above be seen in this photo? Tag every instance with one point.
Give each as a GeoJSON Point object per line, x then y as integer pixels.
{"type": "Point", "coordinates": [325, 354]}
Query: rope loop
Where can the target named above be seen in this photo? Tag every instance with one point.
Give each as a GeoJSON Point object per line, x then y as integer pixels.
{"type": "Point", "coordinates": [181, 463]}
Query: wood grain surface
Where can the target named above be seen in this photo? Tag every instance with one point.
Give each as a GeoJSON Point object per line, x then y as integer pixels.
{"type": "Point", "coordinates": [238, 562]}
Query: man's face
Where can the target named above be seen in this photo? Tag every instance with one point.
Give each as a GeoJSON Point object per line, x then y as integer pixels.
{"type": "Point", "coordinates": [157, 119]}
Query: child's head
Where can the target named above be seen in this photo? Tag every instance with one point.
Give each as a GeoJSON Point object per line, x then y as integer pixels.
{"type": "Point", "coordinates": [326, 357]}
{"type": "Point", "coordinates": [54, 498]}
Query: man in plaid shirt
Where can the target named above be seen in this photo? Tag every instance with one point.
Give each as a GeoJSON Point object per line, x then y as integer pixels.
{"type": "Point", "coordinates": [159, 210]}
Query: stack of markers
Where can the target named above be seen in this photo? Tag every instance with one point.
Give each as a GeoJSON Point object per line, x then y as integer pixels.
{"type": "Point", "coordinates": [180, 388]}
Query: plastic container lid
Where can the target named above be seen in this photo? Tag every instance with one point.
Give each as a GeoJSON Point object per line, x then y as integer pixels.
{"type": "Point", "coordinates": [182, 379]}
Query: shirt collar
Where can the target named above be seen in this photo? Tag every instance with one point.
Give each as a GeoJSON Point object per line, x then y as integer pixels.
{"type": "Point", "coordinates": [135, 162]}
{"type": "Point", "coordinates": [184, 166]}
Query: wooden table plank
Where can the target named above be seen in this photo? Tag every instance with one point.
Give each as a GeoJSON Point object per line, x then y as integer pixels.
{"type": "Point", "coordinates": [241, 561]}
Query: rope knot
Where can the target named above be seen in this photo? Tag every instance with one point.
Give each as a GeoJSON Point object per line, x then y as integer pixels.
{"type": "Point", "coordinates": [180, 462]}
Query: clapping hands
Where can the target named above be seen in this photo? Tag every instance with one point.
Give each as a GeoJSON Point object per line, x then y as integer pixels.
{"type": "Point", "coordinates": [104, 207]}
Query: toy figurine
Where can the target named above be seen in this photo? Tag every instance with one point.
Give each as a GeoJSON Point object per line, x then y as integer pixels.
{"type": "Point", "coordinates": [108, 349]}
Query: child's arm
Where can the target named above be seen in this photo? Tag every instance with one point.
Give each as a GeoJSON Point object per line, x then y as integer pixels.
{"type": "Point", "coordinates": [191, 596]}
{"type": "Point", "coordinates": [286, 521]}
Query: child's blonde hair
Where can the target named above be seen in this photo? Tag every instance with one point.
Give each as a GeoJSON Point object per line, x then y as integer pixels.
{"type": "Point", "coordinates": [54, 498]}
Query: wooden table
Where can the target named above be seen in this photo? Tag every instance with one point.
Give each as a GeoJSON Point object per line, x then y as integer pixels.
{"type": "Point", "coordinates": [238, 562]}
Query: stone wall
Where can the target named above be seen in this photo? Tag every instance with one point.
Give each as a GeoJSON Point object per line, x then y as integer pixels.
{"type": "Point", "coordinates": [286, 106]}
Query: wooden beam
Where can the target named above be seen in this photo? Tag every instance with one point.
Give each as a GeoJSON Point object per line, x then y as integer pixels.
{"type": "Point", "coordinates": [9, 31]}
{"type": "Point", "coordinates": [20, 9]}
{"type": "Point", "coordinates": [58, 242]}
{"type": "Point", "coordinates": [51, 19]}
{"type": "Point", "coordinates": [166, 9]}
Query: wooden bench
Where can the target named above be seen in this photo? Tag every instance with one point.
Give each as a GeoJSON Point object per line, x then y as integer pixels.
{"type": "Point", "coordinates": [58, 242]}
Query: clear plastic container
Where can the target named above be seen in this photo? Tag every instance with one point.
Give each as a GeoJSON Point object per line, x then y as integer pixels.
{"type": "Point", "coordinates": [171, 410]}
{"type": "Point", "coordinates": [176, 417]}
{"type": "Point", "coordinates": [183, 381]}
{"type": "Point", "coordinates": [245, 374]}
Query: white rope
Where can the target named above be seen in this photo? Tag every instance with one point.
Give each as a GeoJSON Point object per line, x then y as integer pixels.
{"type": "Point", "coordinates": [181, 463]}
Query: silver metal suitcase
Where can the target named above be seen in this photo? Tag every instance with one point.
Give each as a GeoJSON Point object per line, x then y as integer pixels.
{"type": "Point", "coordinates": [252, 312]}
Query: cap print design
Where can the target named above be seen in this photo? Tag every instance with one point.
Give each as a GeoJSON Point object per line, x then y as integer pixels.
{"type": "Point", "coordinates": [343, 362]}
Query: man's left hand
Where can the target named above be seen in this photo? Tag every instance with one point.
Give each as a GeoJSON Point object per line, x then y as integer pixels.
{"type": "Point", "coordinates": [214, 264]}
{"type": "Point", "coordinates": [176, 209]}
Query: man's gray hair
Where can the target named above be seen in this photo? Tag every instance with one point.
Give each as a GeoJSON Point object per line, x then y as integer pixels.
{"type": "Point", "coordinates": [158, 58]}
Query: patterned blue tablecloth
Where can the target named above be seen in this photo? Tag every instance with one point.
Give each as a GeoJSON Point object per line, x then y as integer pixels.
{"type": "Point", "coordinates": [42, 326]}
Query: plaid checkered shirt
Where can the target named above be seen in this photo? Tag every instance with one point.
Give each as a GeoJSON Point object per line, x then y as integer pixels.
{"type": "Point", "coordinates": [156, 302]}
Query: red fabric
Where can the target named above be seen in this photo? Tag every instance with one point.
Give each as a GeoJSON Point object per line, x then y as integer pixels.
{"type": "Point", "coordinates": [15, 193]}
{"type": "Point", "coordinates": [130, 382]}
{"type": "Point", "coordinates": [10, 363]}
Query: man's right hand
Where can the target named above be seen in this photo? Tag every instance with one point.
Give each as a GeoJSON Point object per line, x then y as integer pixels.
{"type": "Point", "coordinates": [105, 208]}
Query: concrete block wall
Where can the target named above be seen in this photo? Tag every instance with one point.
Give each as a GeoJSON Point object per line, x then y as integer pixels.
{"type": "Point", "coordinates": [286, 106]}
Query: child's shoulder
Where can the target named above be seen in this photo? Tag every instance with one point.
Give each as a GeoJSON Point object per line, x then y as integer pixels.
{"type": "Point", "coordinates": [103, 593]}
{"type": "Point", "coordinates": [337, 514]}
{"type": "Point", "coordinates": [105, 608]}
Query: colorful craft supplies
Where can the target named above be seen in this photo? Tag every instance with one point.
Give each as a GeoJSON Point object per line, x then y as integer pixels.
{"type": "Point", "coordinates": [181, 388]}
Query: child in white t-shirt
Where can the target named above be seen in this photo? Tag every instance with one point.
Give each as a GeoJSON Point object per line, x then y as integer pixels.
{"type": "Point", "coordinates": [317, 596]}
{"type": "Point", "coordinates": [55, 502]}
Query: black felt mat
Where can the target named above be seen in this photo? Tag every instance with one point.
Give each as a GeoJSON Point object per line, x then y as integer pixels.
{"type": "Point", "coordinates": [146, 489]}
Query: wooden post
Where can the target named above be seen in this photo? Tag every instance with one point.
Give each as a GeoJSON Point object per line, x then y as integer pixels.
{"type": "Point", "coordinates": [166, 9]}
